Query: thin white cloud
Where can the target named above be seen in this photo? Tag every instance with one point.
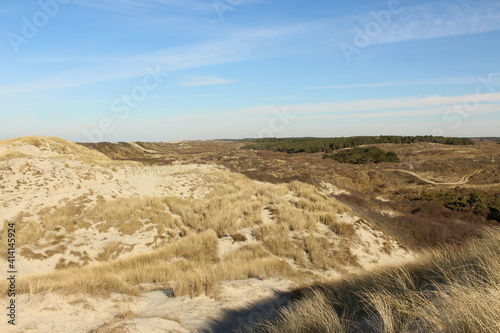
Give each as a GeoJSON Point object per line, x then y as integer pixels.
{"type": "Point", "coordinates": [246, 44]}
{"type": "Point", "coordinates": [401, 104]}
{"type": "Point", "coordinates": [193, 6]}
{"type": "Point", "coordinates": [481, 108]}
{"type": "Point", "coordinates": [184, 6]}
{"type": "Point", "coordinates": [240, 46]}
{"type": "Point", "coordinates": [436, 19]}
{"type": "Point", "coordinates": [369, 109]}
{"type": "Point", "coordinates": [436, 82]}
{"type": "Point", "coordinates": [415, 21]}
{"type": "Point", "coordinates": [192, 56]}
{"type": "Point", "coordinates": [443, 19]}
{"type": "Point", "coordinates": [199, 81]}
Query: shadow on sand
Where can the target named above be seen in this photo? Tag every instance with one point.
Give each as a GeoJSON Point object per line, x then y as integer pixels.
{"type": "Point", "coordinates": [235, 320]}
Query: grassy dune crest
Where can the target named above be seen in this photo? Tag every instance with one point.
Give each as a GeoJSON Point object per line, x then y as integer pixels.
{"type": "Point", "coordinates": [37, 146]}
{"type": "Point", "coordinates": [456, 289]}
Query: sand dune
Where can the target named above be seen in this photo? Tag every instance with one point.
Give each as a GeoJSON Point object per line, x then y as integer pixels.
{"type": "Point", "coordinates": [44, 178]}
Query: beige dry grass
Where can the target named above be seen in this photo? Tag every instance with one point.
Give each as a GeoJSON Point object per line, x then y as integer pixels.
{"type": "Point", "coordinates": [10, 154]}
{"type": "Point", "coordinates": [456, 289]}
{"type": "Point", "coordinates": [51, 147]}
{"type": "Point", "coordinates": [190, 256]}
{"type": "Point", "coordinates": [113, 250]}
{"type": "Point", "coordinates": [282, 246]}
{"type": "Point", "coordinates": [236, 203]}
{"type": "Point", "coordinates": [127, 215]}
{"type": "Point", "coordinates": [190, 265]}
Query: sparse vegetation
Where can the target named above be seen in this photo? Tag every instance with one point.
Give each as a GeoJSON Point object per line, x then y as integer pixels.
{"type": "Point", "coordinates": [127, 215]}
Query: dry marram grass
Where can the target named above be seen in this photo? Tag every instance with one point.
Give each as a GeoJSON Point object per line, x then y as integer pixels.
{"type": "Point", "coordinates": [191, 227]}
{"type": "Point", "coordinates": [450, 290]}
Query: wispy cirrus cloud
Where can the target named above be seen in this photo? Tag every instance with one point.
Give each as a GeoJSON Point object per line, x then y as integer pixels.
{"type": "Point", "coordinates": [198, 81]}
{"type": "Point", "coordinates": [187, 57]}
{"type": "Point", "coordinates": [482, 108]}
{"type": "Point", "coordinates": [368, 108]}
{"type": "Point", "coordinates": [444, 19]}
{"type": "Point", "coordinates": [242, 45]}
{"type": "Point", "coordinates": [203, 7]}
{"type": "Point", "coordinates": [434, 82]}
{"type": "Point", "coordinates": [437, 19]}
{"type": "Point", "coordinates": [415, 22]}
{"type": "Point", "coordinates": [398, 105]}
{"type": "Point", "coordinates": [193, 6]}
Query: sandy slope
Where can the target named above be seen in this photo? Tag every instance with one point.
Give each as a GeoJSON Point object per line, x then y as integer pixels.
{"type": "Point", "coordinates": [31, 184]}
{"type": "Point", "coordinates": [151, 312]}
{"type": "Point", "coordinates": [46, 175]}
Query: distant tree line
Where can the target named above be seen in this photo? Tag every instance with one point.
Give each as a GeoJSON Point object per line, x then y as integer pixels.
{"type": "Point", "coordinates": [363, 155]}
{"type": "Point", "coordinates": [489, 138]}
{"type": "Point", "coordinates": [328, 145]}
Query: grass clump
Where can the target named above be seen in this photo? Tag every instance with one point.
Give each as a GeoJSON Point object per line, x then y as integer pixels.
{"type": "Point", "coordinates": [456, 289]}
{"type": "Point", "coordinates": [189, 265]}
{"type": "Point", "coordinates": [176, 263]}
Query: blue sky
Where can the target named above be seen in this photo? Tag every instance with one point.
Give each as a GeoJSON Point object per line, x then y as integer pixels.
{"type": "Point", "coordinates": [162, 70]}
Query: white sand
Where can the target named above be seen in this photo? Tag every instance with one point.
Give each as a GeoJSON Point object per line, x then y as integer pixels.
{"type": "Point", "coordinates": [32, 184]}
{"type": "Point", "coordinates": [151, 312]}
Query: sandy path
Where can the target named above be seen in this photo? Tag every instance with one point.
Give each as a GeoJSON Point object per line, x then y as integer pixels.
{"type": "Point", "coordinates": [143, 149]}
{"type": "Point", "coordinates": [464, 180]}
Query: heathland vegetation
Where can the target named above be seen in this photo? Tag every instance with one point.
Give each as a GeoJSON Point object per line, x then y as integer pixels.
{"type": "Point", "coordinates": [363, 155]}
{"type": "Point", "coordinates": [328, 145]}
{"type": "Point", "coordinates": [475, 201]}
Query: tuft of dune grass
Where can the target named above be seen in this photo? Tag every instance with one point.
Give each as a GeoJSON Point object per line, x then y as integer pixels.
{"type": "Point", "coordinates": [55, 147]}
{"type": "Point", "coordinates": [455, 290]}
{"type": "Point", "coordinates": [189, 265]}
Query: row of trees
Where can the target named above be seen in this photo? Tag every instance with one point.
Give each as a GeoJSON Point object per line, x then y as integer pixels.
{"type": "Point", "coordinates": [328, 145]}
